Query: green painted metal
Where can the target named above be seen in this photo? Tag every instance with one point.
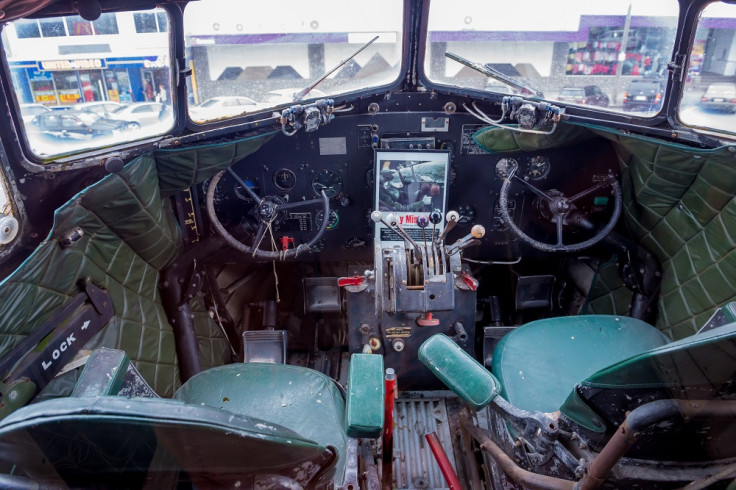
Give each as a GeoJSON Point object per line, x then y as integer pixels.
{"type": "Point", "coordinates": [365, 396]}
{"type": "Point", "coordinates": [539, 363]}
{"type": "Point", "coordinates": [472, 382]}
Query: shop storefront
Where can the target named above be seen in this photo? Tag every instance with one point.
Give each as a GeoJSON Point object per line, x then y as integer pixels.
{"type": "Point", "coordinates": [69, 82]}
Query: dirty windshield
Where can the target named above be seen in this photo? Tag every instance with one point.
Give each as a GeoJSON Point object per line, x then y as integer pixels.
{"type": "Point", "coordinates": [82, 84]}
{"type": "Point", "coordinates": [610, 55]}
{"type": "Point", "coordinates": [245, 59]}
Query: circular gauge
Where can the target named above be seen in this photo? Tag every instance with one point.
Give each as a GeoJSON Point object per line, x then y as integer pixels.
{"type": "Point", "coordinates": [284, 179]}
{"type": "Point", "coordinates": [241, 193]}
{"type": "Point", "coordinates": [332, 224]}
{"type": "Point", "coordinates": [328, 181]}
{"type": "Point", "coordinates": [505, 166]}
{"type": "Point", "coordinates": [219, 194]}
{"type": "Point", "coordinates": [538, 168]}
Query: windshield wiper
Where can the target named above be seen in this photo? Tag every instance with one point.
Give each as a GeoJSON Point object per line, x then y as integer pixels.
{"type": "Point", "coordinates": [299, 96]}
{"type": "Point", "coordinates": [495, 74]}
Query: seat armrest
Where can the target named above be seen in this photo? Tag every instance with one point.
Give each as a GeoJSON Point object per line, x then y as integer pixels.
{"type": "Point", "coordinates": [473, 383]}
{"type": "Point", "coordinates": [365, 396]}
{"type": "Point", "coordinates": [103, 373]}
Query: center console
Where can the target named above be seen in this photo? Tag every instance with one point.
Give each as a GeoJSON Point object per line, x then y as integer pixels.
{"type": "Point", "coordinates": [419, 285]}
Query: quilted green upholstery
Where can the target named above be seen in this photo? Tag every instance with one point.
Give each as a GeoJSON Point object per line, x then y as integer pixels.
{"type": "Point", "coordinates": [565, 351]}
{"type": "Point", "coordinates": [679, 203]}
{"type": "Point", "coordinates": [608, 294]}
{"type": "Point", "coordinates": [129, 235]}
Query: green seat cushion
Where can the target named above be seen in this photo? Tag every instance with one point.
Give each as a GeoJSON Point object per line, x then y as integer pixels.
{"type": "Point", "coordinates": [539, 364]}
{"type": "Point", "coordinates": [101, 442]}
{"type": "Point", "coordinates": [298, 398]}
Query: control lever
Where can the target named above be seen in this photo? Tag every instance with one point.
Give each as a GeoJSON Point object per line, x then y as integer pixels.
{"type": "Point", "coordinates": [392, 223]}
{"type": "Point", "coordinates": [423, 223]}
{"type": "Point", "coordinates": [476, 232]}
{"type": "Point", "coordinates": [435, 217]}
{"type": "Point", "coordinates": [452, 219]}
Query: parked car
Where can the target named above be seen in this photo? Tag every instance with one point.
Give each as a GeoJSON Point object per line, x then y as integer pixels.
{"type": "Point", "coordinates": [221, 107]}
{"type": "Point", "coordinates": [80, 125]}
{"type": "Point", "coordinates": [103, 107]}
{"type": "Point", "coordinates": [644, 94]}
{"type": "Point", "coordinates": [29, 111]}
{"type": "Point", "coordinates": [144, 113]}
{"type": "Point", "coordinates": [588, 95]}
{"type": "Point", "coordinates": [720, 96]}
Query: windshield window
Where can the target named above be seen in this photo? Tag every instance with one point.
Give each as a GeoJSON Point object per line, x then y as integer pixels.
{"type": "Point", "coordinates": [101, 69]}
{"type": "Point", "coordinates": [709, 96]}
{"type": "Point", "coordinates": [244, 49]}
{"type": "Point", "coordinates": [557, 46]}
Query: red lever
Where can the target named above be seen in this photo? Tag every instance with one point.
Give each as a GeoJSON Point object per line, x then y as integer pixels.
{"type": "Point", "coordinates": [285, 242]}
{"type": "Point", "coordinates": [428, 320]}
{"type": "Point", "coordinates": [470, 281]}
{"type": "Point", "coordinates": [356, 280]}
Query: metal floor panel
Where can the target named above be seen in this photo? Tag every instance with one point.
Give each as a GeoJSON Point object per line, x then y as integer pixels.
{"type": "Point", "coordinates": [414, 464]}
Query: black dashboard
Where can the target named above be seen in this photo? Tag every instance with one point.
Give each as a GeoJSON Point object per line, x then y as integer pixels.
{"type": "Point", "coordinates": [338, 159]}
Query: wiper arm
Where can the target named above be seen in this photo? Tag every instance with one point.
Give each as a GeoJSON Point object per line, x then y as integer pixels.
{"type": "Point", "coordinates": [299, 96]}
{"type": "Point", "coordinates": [495, 74]}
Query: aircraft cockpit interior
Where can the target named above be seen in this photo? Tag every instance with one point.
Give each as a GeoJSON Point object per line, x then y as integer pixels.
{"type": "Point", "coordinates": [424, 244]}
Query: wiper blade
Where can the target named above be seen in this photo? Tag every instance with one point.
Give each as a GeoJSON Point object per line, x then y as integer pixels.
{"type": "Point", "coordinates": [495, 74]}
{"type": "Point", "coordinates": [299, 96]}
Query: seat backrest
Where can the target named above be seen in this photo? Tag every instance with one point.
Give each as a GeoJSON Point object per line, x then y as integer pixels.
{"type": "Point", "coordinates": [126, 442]}
{"type": "Point", "coordinates": [700, 367]}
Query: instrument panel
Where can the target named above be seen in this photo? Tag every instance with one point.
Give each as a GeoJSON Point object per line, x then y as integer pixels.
{"type": "Point", "coordinates": [338, 159]}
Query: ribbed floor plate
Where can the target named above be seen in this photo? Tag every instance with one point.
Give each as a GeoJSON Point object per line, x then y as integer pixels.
{"type": "Point", "coordinates": [414, 464]}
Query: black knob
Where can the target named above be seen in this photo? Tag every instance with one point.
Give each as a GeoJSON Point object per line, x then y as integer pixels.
{"type": "Point", "coordinates": [435, 217]}
{"type": "Point", "coordinates": [422, 222]}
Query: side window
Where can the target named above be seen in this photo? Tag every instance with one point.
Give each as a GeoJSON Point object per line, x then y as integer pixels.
{"type": "Point", "coordinates": [709, 97]}
{"type": "Point", "coordinates": [26, 29]}
{"type": "Point", "coordinates": [106, 24]}
{"type": "Point", "coordinates": [70, 122]}
{"type": "Point", "coordinates": [51, 122]}
{"type": "Point", "coordinates": [61, 62]}
{"type": "Point", "coordinates": [52, 27]}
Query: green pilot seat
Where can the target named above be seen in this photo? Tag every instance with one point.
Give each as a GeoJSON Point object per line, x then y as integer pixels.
{"type": "Point", "coordinates": [595, 369]}
{"type": "Point", "coordinates": [539, 363]}
{"type": "Point", "coordinates": [263, 425]}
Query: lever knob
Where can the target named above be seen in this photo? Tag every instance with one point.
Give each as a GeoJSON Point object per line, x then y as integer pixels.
{"type": "Point", "coordinates": [435, 217]}
{"type": "Point", "coordinates": [452, 216]}
{"type": "Point", "coordinates": [478, 231]}
{"type": "Point", "coordinates": [376, 216]}
{"type": "Point", "coordinates": [391, 219]}
{"type": "Point", "coordinates": [422, 222]}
